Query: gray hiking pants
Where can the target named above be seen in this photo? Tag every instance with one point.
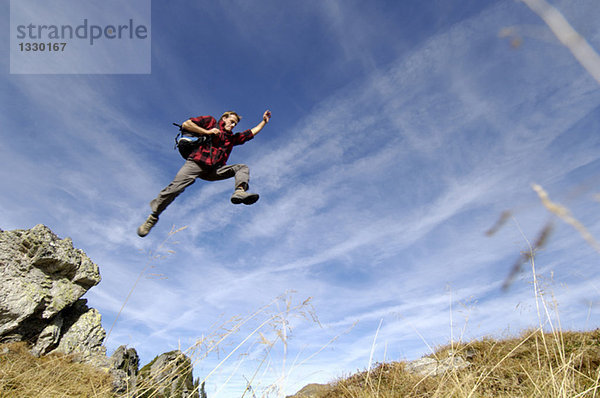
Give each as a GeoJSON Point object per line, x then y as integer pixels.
{"type": "Point", "coordinates": [187, 175]}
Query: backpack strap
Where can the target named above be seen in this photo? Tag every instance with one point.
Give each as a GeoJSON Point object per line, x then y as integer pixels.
{"type": "Point", "coordinates": [178, 134]}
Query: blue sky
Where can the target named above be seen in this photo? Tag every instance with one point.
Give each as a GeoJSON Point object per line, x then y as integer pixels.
{"type": "Point", "coordinates": [400, 133]}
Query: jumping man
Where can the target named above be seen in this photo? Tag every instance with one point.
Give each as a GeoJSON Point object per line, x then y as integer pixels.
{"type": "Point", "coordinates": [208, 162]}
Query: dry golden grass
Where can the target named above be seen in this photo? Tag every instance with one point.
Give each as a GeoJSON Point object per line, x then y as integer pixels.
{"type": "Point", "coordinates": [534, 364]}
{"type": "Point", "coordinates": [24, 376]}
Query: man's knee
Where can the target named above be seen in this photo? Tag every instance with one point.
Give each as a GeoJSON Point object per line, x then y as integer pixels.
{"type": "Point", "coordinates": [242, 169]}
{"type": "Point", "coordinates": [178, 185]}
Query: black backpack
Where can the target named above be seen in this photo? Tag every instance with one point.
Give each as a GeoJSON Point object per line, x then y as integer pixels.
{"type": "Point", "coordinates": [187, 143]}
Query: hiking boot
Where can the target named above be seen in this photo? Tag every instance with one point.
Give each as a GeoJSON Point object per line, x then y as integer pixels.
{"type": "Point", "coordinates": [241, 196]}
{"type": "Point", "coordinates": [145, 228]}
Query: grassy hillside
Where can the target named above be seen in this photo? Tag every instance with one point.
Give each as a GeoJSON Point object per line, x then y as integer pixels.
{"type": "Point", "coordinates": [563, 364]}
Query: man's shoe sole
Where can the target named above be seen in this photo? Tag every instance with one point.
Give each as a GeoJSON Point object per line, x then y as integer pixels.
{"type": "Point", "coordinates": [251, 199]}
{"type": "Point", "coordinates": [248, 200]}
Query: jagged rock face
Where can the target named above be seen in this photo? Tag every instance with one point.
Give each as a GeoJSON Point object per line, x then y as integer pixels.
{"type": "Point", "coordinates": [125, 364]}
{"type": "Point", "coordinates": [169, 375]}
{"type": "Point", "coordinates": [42, 279]}
{"type": "Point", "coordinates": [83, 333]}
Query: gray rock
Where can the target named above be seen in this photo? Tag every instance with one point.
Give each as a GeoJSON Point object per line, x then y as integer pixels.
{"type": "Point", "coordinates": [434, 367]}
{"type": "Point", "coordinates": [42, 279]}
{"type": "Point", "coordinates": [41, 275]}
{"type": "Point", "coordinates": [422, 366]}
{"type": "Point", "coordinates": [124, 369]}
{"type": "Point", "coordinates": [49, 337]}
{"type": "Point", "coordinates": [168, 375]}
{"type": "Point", "coordinates": [83, 334]}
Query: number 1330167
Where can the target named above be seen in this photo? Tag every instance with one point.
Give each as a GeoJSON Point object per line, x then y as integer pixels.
{"type": "Point", "coordinates": [42, 46]}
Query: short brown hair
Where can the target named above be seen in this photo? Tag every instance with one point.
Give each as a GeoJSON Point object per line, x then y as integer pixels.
{"type": "Point", "coordinates": [231, 113]}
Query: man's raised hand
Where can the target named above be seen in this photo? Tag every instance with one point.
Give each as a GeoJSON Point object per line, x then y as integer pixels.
{"type": "Point", "coordinates": [267, 116]}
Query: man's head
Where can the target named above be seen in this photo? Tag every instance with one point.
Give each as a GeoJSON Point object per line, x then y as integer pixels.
{"type": "Point", "coordinates": [230, 119]}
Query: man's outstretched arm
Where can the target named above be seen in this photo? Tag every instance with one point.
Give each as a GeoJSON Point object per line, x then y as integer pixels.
{"type": "Point", "coordinates": [259, 126]}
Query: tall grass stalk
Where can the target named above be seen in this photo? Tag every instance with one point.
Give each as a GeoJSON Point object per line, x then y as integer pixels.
{"type": "Point", "coordinates": [579, 47]}
{"type": "Point", "coordinates": [153, 257]}
{"type": "Point", "coordinates": [373, 350]}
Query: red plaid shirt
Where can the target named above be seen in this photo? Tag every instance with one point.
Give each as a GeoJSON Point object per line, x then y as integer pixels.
{"type": "Point", "coordinates": [216, 155]}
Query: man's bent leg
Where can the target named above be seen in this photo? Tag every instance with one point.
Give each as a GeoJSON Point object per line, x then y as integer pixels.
{"type": "Point", "coordinates": [184, 178]}
{"type": "Point", "coordinates": [240, 172]}
{"type": "Point", "coordinates": [242, 177]}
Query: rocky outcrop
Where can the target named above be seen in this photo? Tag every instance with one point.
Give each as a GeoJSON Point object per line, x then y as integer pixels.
{"type": "Point", "coordinates": [76, 330]}
{"type": "Point", "coordinates": [169, 375]}
{"type": "Point", "coordinates": [83, 333]}
{"type": "Point", "coordinates": [43, 279]}
{"type": "Point", "coordinates": [125, 364]}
